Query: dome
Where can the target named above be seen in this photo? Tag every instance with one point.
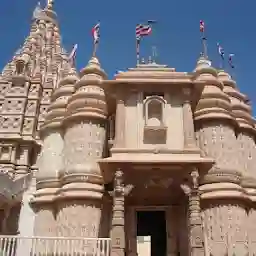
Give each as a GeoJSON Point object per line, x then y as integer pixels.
{"type": "Point", "coordinates": [241, 110]}
{"type": "Point", "coordinates": [57, 109]}
{"type": "Point", "coordinates": [89, 97]}
{"type": "Point", "coordinates": [213, 102]}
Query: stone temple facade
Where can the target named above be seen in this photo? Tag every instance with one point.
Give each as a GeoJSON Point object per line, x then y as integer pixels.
{"type": "Point", "coordinates": [151, 153]}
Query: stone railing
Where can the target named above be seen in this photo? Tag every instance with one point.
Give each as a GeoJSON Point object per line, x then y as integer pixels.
{"type": "Point", "coordinates": [53, 246]}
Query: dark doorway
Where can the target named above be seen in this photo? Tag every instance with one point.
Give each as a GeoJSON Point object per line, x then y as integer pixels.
{"type": "Point", "coordinates": [153, 224]}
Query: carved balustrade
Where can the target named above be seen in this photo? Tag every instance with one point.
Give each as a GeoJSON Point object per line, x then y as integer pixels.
{"type": "Point", "coordinates": [16, 245]}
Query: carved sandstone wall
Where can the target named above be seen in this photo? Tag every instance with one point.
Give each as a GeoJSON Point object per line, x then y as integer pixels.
{"type": "Point", "coordinates": [79, 219]}
{"type": "Point", "coordinates": [225, 227]}
{"type": "Point", "coordinates": [224, 221]}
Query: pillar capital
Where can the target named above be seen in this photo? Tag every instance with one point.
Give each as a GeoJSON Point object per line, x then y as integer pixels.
{"type": "Point", "coordinates": [192, 184]}
{"type": "Point", "coordinates": [117, 232]}
{"type": "Point", "coordinates": [120, 189]}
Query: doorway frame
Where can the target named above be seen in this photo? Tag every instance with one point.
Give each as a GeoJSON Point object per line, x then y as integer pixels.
{"type": "Point", "coordinates": [171, 227]}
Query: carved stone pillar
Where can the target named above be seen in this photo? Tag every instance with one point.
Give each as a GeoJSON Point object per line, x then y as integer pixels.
{"type": "Point", "coordinates": [196, 244]}
{"type": "Point", "coordinates": [188, 122]}
{"type": "Point", "coordinates": [120, 122]}
{"type": "Point", "coordinates": [117, 230]}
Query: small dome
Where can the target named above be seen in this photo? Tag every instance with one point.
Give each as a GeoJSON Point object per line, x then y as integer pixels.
{"type": "Point", "coordinates": [93, 67]}
{"type": "Point", "coordinates": [89, 97]}
{"type": "Point", "coordinates": [213, 102]}
{"type": "Point", "coordinates": [202, 63]}
{"type": "Point", "coordinates": [57, 109]}
{"type": "Point", "coordinates": [241, 110]}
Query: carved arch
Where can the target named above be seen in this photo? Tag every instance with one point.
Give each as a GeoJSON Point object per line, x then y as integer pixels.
{"type": "Point", "coordinates": [154, 111]}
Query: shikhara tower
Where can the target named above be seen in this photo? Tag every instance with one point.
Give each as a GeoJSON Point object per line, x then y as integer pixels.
{"type": "Point", "coordinates": [152, 152]}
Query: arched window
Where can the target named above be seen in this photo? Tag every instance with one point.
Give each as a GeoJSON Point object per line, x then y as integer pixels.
{"type": "Point", "coordinates": [154, 111]}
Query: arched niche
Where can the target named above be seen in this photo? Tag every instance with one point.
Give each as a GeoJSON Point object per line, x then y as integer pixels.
{"type": "Point", "coordinates": [154, 111]}
{"type": "Point", "coordinates": [154, 129]}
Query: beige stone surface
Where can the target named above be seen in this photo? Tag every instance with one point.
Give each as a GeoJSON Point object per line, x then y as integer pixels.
{"type": "Point", "coordinates": [150, 138]}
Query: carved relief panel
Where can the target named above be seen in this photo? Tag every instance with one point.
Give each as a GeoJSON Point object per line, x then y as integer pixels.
{"type": "Point", "coordinates": [46, 97]}
{"type": "Point", "coordinates": [14, 106]}
{"type": "Point", "coordinates": [34, 91]}
{"type": "Point", "coordinates": [247, 154]}
{"type": "Point", "coordinates": [1, 104]}
{"type": "Point", "coordinates": [42, 112]}
{"type": "Point", "coordinates": [84, 144]}
{"type": "Point", "coordinates": [219, 142]}
{"type": "Point", "coordinates": [7, 152]}
{"type": "Point", "coordinates": [4, 87]}
{"type": "Point", "coordinates": [225, 229]}
{"type": "Point", "coordinates": [31, 108]}
{"type": "Point", "coordinates": [11, 124]}
{"type": "Point", "coordinates": [28, 126]}
{"type": "Point", "coordinates": [23, 155]}
{"type": "Point", "coordinates": [18, 91]}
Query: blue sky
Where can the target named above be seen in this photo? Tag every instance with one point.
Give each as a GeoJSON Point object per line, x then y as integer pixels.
{"type": "Point", "coordinates": [176, 34]}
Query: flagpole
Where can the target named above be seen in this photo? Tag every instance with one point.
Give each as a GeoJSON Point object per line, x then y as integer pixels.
{"type": "Point", "coordinates": [153, 47]}
{"type": "Point", "coordinates": [204, 43]}
{"type": "Point", "coordinates": [95, 46]}
{"type": "Point", "coordinates": [222, 63]}
{"type": "Point", "coordinates": [231, 66]}
{"type": "Point", "coordinates": [138, 51]}
{"type": "Point", "coordinates": [203, 38]}
{"type": "Point", "coordinates": [96, 38]}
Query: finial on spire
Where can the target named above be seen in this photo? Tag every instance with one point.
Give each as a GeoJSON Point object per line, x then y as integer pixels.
{"type": "Point", "coordinates": [37, 11]}
{"type": "Point", "coordinates": [50, 4]}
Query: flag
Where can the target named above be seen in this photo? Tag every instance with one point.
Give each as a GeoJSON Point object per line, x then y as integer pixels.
{"type": "Point", "coordinates": [142, 30]}
{"type": "Point", "coordinates": [230, 60]}
{"type": "Point", "coordinates": [202, 26]}
{"type": "Point", "coordinates": [221, 51]}
{"type": "Point", "coordinates": [72, 54]}
{"type": "Point", "coordinates": [96, 33]}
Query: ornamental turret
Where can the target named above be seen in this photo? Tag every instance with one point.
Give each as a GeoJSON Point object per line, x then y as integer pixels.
{"type": "Point", "coordinates": [216, 135]}
{"type": "Point", "coordinates": [84, 141]}
{"type": "Point", "coordinates": [48, 176]}
{"type": "Point", "coordinates": [213, 102]}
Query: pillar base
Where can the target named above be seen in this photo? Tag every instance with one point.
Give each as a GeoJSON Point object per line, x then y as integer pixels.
{"type": "Point", "coordinates": [197, 252]}
{"type": "Point", "coordinates": [117, 252]}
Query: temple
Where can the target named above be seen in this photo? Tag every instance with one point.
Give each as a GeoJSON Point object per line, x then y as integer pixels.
{"type": "Point", "coordinates": [153, 162]}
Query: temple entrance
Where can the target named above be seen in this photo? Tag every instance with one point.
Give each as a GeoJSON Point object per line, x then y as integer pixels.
{"type": "Point", "coordinates": [151, 233]}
